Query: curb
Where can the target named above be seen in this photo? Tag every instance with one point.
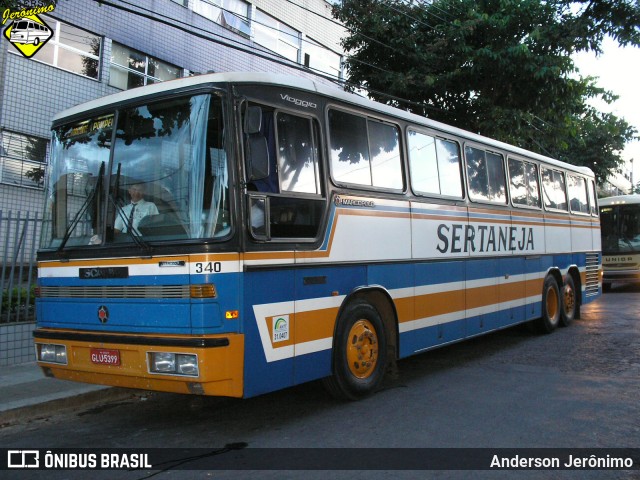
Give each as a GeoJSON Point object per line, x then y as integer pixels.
{"type": "Point", "coordinates": [45, 409]}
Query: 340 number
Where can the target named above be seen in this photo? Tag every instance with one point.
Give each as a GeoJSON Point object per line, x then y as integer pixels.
{"type": "Point", "coordinates": [208, 267]}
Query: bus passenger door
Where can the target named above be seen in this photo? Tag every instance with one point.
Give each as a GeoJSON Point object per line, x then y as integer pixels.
{"type": "Point", "coordinates": [267, 325]}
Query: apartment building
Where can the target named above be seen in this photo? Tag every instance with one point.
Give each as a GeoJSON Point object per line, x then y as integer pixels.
{"type": "Point", "coordinates": [99, 48]}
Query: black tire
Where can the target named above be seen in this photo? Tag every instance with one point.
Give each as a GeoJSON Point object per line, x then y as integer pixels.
{"type": "Point", "coordinates": [570, 305]}
{"type": "Point", "coordinates": [551, 306]}
{"type": "Point", "coordinates": [359, 353]}
{"type": "Point", "coordinates": [606, 287]}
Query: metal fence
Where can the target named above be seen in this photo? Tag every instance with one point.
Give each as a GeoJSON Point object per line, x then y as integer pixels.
{"type": "Point", "coordinates": [19, 237]}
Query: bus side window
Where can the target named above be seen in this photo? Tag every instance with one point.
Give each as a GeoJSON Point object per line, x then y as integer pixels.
{"type": "Point", "coordinates": [485, 171]}
{"type": "Point", "coordinates": [434, 164]}
{"type": "Point", "coordinates": [523, 183]}
{"type": "Point", "coordinates": [591, 190]}
{"type": "Point", "coordinates": [578, 194]}
{"type": "Point", "coordinates": [553, 187]}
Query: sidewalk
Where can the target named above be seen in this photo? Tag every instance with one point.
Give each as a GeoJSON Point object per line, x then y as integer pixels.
{"type": "Point", "coordinates": [25, 393]}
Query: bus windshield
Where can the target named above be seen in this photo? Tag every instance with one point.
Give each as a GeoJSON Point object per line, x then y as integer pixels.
{"type": "Point", "coordinates": [620, 226]}
{"type": "Point", "coordinates": [153, 172]}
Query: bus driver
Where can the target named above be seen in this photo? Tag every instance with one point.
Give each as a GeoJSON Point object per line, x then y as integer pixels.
{"type": "Point", "coordinates": [135, 211]}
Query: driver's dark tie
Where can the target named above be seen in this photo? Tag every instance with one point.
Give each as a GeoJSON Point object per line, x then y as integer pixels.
{"type": "Point", "coordinates": [130, 223]}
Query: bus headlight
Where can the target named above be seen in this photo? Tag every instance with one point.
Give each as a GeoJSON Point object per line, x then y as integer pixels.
{"type": "Point", "coordinates": [162, 362]}
{"type": "Point", "coordinates": [51, 353]}
{"type": "Point", "coordinates": [174, 363]}
{"type": "Point", "coordinates": [187, 365]}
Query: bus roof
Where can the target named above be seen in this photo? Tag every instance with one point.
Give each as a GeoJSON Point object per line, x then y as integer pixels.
{"type": "Point", "coordinates": [301, 83]}
{"type": "Point", "coordinates": [619, 200]}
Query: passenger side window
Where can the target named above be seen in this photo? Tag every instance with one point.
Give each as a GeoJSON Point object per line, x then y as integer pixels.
{"type": "Point", "coordinates": [364, 151]}
{"type": "Point", "coordinates": [553, 189]}
{"type": "Point", "coordinates": [485, 171]}
{"type": "Point", "coordinates": [434, 164]}
{"type": "Point", "coordinates": [523, 183]}
{"type": "Point", "coordinates": [285, 198]}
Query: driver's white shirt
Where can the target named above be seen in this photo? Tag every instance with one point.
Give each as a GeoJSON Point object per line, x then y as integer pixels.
{"type": "Point", "coordinates": [143, 208]}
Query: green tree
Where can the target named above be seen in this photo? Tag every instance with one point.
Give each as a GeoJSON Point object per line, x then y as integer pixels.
{"type": "Point", "coordinates": [501, 68]}
{"type": "Point", "coordinates": [16, 5]}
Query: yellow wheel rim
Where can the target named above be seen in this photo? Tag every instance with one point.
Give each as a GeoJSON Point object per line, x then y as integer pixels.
{"type": "Point", "coordinates": [362, 349]}
{"type": "Point", "coordinates": [569, 299]}
{"type": "Point", "coordinates": [552, 303]}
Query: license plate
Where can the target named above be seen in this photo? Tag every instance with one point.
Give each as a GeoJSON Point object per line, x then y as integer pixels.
{"type": "Point", "coordinates": [104, 356]}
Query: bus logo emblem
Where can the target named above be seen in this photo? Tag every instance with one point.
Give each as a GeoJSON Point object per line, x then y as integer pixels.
{"type": "Point", "coordinates": [280, 328]}
{"type": "Point", "coordinates": [103, 314]}
{"type": "Point", "coordinates": [28, 34]}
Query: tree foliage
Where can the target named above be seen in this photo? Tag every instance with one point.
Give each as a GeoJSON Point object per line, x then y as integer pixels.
{"type": "Point", "coordinates": [501, 68]}
{"type": "Point", "coordinates": [16, 5]}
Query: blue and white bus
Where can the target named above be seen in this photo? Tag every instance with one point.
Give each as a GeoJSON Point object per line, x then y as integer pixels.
{"type": "Point", "coordinates": [291, 232]}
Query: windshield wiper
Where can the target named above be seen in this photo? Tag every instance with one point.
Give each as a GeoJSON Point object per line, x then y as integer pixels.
{"type": "Point", "coordinates": [90, 198]}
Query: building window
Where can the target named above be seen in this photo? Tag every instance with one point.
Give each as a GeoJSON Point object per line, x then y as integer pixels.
{"type": "Point", "coordinates": [232, 14]}
{"type": "Point", "coordinates": [321, 59]}
{"type": "Point", "coordinates": [22, 159]}
{"type": "Point", "coordinates": [130, 68]}
{"type": "Point", "coordinates": [276, 36]}
{"type": "Point", "coordinates": [72, 49]}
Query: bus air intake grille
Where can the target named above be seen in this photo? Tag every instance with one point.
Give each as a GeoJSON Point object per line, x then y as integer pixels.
{"type": "Point", "coordinates": [107, 291]}
{"type": "Point", "coordinates": [592, 274]}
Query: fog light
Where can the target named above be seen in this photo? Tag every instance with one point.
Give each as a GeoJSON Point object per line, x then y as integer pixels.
{"type": "Point", "coordinates": [51, 353]}
{"type": "Point", "coordinates": [173, 363]}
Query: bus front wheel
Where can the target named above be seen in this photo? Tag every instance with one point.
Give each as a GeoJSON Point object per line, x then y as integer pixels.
{"type": "Point", "coordinates": [359, 353]}
{"type": "Point", "coordinates": [551, 305]}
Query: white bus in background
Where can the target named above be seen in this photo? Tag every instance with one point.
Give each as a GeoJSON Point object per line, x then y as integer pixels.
{"type": "Point", "coordinates": [28, 31]}
{"type": "Point", "coordinates": [620, 229]}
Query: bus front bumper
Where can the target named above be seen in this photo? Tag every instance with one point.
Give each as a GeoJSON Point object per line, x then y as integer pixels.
{"type": "Point", "coordinates": [202, 365]}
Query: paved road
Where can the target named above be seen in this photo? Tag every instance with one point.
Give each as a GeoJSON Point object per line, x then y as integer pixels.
{"type": "Point", "coordinates": [578, 387]}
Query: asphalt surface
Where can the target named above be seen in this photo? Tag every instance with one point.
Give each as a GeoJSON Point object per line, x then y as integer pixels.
{"type": "Point", "coordinates": [576, 388]}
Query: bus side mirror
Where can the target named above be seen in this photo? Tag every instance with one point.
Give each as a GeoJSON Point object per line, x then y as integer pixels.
{"type": "Point", "coordinates": [257, 150]}
{"type": "Point", "coordinates": [253, 120]}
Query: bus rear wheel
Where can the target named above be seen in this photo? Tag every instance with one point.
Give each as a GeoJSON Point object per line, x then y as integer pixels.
{"type": "Point", "coordinates": [569, 302]}
{"type": "Point", "coordinates": [359, 353]}
{"type": "Point", "coordinates": [551, 305]}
